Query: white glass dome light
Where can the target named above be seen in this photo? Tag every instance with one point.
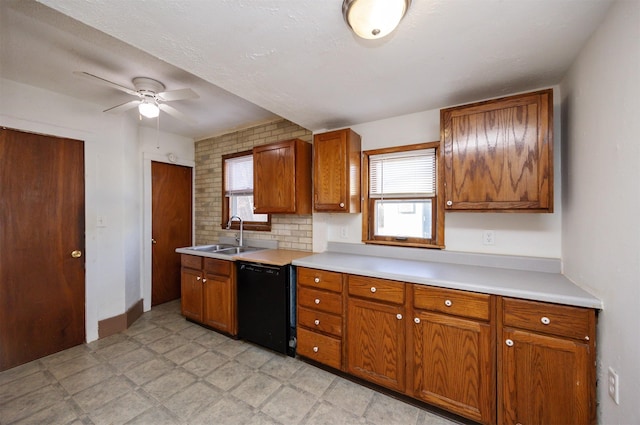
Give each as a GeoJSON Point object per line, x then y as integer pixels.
{"type": "Point", "coordinates": [148, 109]}
{"type": "Point", "coordinates": [372, 19]}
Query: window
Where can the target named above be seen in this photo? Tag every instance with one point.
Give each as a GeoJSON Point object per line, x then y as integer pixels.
{"type": "Point", "coordinates": [401, 205]}
{"type": "Point", "coordinates": [237, 187]}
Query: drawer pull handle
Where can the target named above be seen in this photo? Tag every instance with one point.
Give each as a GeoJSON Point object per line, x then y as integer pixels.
{"type": "Point", "coordinates": [448, 303]}
{"type": "Point", "coordinates": [316, 280]}
{"type": "Point", "coordinates": [198, 278]}
{"type": "Point", "coordinates": [317, 301]}
{"type": "Point", "coordinates": [373, 289]}
{"type": "Point", "coordinates": [316, 322]}
{"type": "Point", "coordinates": [509, 343]}
{"type": "Point", "coordinates": [417, 320]}
{"type": "Point", "coordinates": [399, 316]}
{"type": "Point", "coordinates": [545, 320]}
{"type": "Point", "coordinates": [315, 349]}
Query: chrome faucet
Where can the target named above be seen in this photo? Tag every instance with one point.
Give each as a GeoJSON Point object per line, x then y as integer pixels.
{"type": "Point", "coordinates": [229, 226]}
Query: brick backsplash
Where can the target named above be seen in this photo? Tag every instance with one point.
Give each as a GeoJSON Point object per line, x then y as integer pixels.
{"type": "Point", "coordinates": [291, 231]}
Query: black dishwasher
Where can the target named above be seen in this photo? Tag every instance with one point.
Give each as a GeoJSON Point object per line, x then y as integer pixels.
{"type": "Point", "coordinates": [266, 306]}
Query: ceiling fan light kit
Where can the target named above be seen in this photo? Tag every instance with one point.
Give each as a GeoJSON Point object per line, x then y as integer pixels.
{"type": "Point", "coordinates": [373, 19]}
{"type": "Point", "coordinates": [148, 109]}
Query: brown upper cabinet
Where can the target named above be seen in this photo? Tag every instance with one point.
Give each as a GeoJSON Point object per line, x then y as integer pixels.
{"type": "Point", "coordinates": [498, 154]}
{"type": "Point", "coordinates": [336, 171]}
{"type": "Point", "coordinates": [282, 177]}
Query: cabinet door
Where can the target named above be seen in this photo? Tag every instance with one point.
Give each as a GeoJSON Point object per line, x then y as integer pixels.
{"type": "Point", "coordinates": [376, 343]}
{"type": "Point", "coordinates": [191, 294]}
{"type": "Point", "coordinates": [274, 178]}
{"type": "Point", "coordinates": [454, 365]}
{"type": "Point", "coordinates": [545, 380]}
{"type": "Point", "coordinates": [498, 154]}
{"type": "Point", "coordinates": [336, 168]}
{"type": "Point", "coordinates": [218, 303]}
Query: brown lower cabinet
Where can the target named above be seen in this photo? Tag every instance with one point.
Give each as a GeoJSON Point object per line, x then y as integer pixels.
{"type": "Point", "coordinates": [208, 292]}
{"type": "Point", "coordinates": [488, 358]}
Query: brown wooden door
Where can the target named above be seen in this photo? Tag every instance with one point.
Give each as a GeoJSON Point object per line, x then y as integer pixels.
{"type": "Point", "coordinates": [376, 343]}
{"type": "Point", "coordinates": [170, 228]}
{"type": "Point", "coordinates": [545, 380]}
{"type": "Point", "coordinates": [454, 365]}
{"type": "Point", "coordinates": [42, 285]}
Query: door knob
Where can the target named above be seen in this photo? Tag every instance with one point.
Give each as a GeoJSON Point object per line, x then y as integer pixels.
{"type": "Point", "coordinates": [76, 254]}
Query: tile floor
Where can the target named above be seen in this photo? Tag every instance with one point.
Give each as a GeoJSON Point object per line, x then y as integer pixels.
{"type": "Point", "coordinates": [166, 370]}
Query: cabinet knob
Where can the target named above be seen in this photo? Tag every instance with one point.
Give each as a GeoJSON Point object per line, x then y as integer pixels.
{"type": "Point", "coordinates": [317, 301]}
{"type": "Point", "coordinates": [315, 349]}
{"type": "Point", "coordinates": [341, 204]}
{"type": "Point", "coordinates": [316, 280]}
{"type": "Point", "coordinates": [399, 316]}
{"type": "Point", "coordinates": [255, 208]}
{"type": "Point", "coordinates": [448, 303]}
{"type": "Point", "coordinates": [417, 320]}
{"type": "Point", "coordinates": [204, 280]}
{"type": "Point", "coordinates": [316, 322]}
{"type": "Point", "coordinates": [509, 343]}
{"type": "Point", "coordinates": [449, 203]}
{"type": "Point", "coordinates": [373, 289]}
{"type": "Point", "coordinates": [545, 320]}
{"type": "Point", "coordinates": [198, 278]}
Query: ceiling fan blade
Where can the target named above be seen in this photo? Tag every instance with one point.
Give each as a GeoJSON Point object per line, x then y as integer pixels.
{"type": "Point", "coordinates": [100, 80]}
{"type": "Point", "coordinates": [123, 107]}
{"type": "Point", "coordinates": [168, 96]}
{"type": "Point", "coordinates": [176, 114]}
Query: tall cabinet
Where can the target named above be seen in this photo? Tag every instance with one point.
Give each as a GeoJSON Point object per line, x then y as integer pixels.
{"type": "Point", "coordinates": [336, 171]}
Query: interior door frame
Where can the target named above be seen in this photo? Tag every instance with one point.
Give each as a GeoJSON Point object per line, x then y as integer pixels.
{"type": "Point", "coordinates": [145, 258]}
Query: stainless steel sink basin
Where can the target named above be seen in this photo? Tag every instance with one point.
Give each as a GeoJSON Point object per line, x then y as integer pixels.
{"type": "Point", "coordinates": [238, 250]}
{"type": "Point", "coordinates": [211, 248]}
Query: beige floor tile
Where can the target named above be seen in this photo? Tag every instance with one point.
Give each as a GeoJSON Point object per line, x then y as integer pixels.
{"type": "Point", "coordinates": [185, 353]}
{"type": "Point", "coordinates": [289, 405]}
{"type": "Point", "coordinates": [191, 400]}
{"type": "Point", "coordinates": [256, 389]}
{"type": "Point", "coordinates": [121, 410]}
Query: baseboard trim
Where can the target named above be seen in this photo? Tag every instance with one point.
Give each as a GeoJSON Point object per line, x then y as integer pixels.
{"type": "Point", "coordinates": [121, 322]}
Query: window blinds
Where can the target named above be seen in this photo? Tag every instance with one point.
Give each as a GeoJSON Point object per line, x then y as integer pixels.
{"type": "Point", "coordinates": [405, 174]}
{"type": "Point", "coordinates": [239, 176]}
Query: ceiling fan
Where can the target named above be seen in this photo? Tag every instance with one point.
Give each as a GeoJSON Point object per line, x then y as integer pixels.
{"type": "Point", "coordinates": [151, 96]}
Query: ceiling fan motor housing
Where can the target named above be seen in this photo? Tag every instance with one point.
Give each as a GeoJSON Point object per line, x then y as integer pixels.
{"type": "Point", "coordinates": [148, 86]}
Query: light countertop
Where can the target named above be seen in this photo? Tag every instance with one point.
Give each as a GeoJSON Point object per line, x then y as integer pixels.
{"type": "Point", "coordinates": [531, 285]}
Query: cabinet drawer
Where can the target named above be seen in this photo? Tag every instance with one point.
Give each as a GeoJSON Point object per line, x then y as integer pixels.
{"type": "Point", "coordinates": [320, 321]}
{"type": "Point", "coordinates": [320, 279]}
{"type": "Point", "coordinates": [320, 300]}
{"type": "Point", "coordinates": [451, 301]}
{"type": "Point", "coordinates": [562, 320]}
{"type": "Point", "coordinates": [321, 348]}
{"type": "Point", "coordinates": [215, 266]}
{"type": "Point", "coordinates": [191, 261]}
{"type": "Point", "coordinates": [377, 289]}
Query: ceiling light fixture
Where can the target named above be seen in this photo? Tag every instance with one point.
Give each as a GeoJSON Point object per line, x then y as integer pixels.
{"type": "Point", "coordinates": [148, 109]}
{"type": "Point", "coordinates": [373, 19]}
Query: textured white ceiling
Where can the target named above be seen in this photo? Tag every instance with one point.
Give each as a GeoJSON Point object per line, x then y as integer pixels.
{"type": "Point", "coordinates": [298, 59]}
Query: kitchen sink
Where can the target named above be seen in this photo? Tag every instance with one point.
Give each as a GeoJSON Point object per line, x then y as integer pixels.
{"type": "Point", "coordinates": [211, 248]}
{"type": "Point", "coordinates": [238, 250]}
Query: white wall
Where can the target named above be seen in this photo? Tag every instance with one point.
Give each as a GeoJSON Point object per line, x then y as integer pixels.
{"type": "Point", "coordinates": [536, 235]}
{"type": "Point", "coordinates": [114, 152]}
{"type": "Point", "coordinates": [601, 202]}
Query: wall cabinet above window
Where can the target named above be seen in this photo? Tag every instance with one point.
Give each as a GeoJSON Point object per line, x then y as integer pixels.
{"type": "Point", "coordinates": [498, 154]}
{"type": "Point", "coordinates": [282, 178]}
{"type": "Point", "coordinates": [336, 171]}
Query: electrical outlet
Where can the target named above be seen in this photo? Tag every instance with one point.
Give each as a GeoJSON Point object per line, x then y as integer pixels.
{"type": "Point", "coordinates": [614, 385]}
{"type": "Point", "coordinates": [344, 234]}
{"type": "Point", "coordinates": [488, 237]}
